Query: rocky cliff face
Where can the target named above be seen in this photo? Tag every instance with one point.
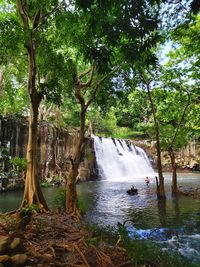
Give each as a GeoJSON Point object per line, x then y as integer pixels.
{"type": "Point", "coordinates": [55, 146]}
{"type": "Point", "coordinates": [187, 158]}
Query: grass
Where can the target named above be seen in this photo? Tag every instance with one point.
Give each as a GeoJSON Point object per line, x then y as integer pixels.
{"type": "Point", "coordinates": [124, 133]}
{"type": "Point", "coordinates": [59, 201]}
{"type": "Point", "coordinates": [130, 135]}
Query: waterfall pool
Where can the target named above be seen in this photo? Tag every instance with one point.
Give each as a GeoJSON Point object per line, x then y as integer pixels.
{"type": "Point", "coordinates": [175, 225]}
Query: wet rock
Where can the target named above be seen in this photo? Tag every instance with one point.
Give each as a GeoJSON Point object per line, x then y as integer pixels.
{"type": "Point", "coordinates": [19, 259]}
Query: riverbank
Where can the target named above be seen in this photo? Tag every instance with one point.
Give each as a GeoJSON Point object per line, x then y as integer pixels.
{"type": "Point", "coordinates": [54, 239]}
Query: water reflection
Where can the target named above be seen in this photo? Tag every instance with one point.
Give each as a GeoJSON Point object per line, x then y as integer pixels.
{"type": "Point", "coordinates": [177, 217]}
{"type": "Point", "coordinates": [162, 212]}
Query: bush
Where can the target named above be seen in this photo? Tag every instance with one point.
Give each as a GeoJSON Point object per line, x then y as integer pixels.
{"type": "Point", "coordinates": [19, 163]}
{"type": "Point", "coordinates": [59, 199]}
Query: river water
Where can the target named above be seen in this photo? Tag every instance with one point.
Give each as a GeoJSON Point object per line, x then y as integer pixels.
{"type": "Point", "coordinates": [175, 224]}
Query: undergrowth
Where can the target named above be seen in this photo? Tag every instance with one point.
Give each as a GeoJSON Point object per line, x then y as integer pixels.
{"type": "Point", "coordinates": [146, 252]}
{"type": "Point", "coordinates": [141, 253]}
{"type": "Point", "coordinates": [59, 201]}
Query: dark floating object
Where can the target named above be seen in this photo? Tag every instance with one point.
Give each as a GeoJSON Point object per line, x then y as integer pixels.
{"type": "Point", "coordinates": [132, 191]}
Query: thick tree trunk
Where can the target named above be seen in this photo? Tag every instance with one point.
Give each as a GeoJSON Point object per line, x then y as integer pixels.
{"type": "Point", "coordinates": [71, 204]}
{"type": "Point", "coordinates": [174, 173]}
{"type": "Point", "coordinates": [161, 188]}
{"type": "Point", "coordinates": [32, 190]}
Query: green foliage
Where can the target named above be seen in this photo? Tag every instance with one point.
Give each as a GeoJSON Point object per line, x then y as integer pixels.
{"type": "Point", "coordinates": [59, 199]}
{"type": "Point", "coordinates": [45, 184]}
{"type": "Point", "coordinates": [98, 234]}
{"type": "Point", "coordinates": [103, 123]}
{"type": "Point", "coordinates": [91, 241]}
{"type": "Point", "coordinates": [31, 208]}
{"type": "Point", "coordinates": [126, 133]}
{"type": "Point", "coordinates": [20, 163]}
{"type": "Point", "coordinates": [81, 205]}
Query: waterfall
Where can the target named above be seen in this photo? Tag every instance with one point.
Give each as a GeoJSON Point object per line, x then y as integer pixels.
{"type": "Point", "coordinates": [119, 160]}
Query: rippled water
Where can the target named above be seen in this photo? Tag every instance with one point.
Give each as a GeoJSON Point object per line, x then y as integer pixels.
{"type": "Point", "coordinates": [175, 224]}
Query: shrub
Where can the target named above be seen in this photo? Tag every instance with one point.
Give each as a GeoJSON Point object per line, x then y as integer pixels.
{"type": "Point", "coordinates": [19, 163]}
{"type": "Point", "coordinates": [59, 199]}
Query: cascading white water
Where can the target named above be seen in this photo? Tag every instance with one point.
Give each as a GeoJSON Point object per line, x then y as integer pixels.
{"type": "Point", "coordinates": [118, 160]}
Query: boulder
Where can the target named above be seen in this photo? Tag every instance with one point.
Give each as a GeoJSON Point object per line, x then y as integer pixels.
{"type": "Point", "coordinates": [19, 259]}
{"type": "Point", "coordinates": [4, 243]}
{"type": "Point", "coordinates": [4, 258]}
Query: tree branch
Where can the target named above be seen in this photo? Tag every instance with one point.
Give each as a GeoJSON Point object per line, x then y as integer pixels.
{"type": "Point", "coordinates": [46, 16]}
{"type": "Point", "coordinates": [89, 82]}
{"type": "Point", "coordinates": [181, 120]}
{"type": "Point", "coordinates": [36, 19]}
{"type": "Point", "coordinates": [23, 13]}
{"type": "Point", "coordinates": [97, 86]}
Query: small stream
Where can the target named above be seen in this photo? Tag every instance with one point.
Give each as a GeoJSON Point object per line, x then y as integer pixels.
{"type": "Point", "coordinates": [175, 226]}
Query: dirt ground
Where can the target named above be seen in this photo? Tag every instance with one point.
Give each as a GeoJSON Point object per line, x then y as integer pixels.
{"type": "Point", "coordinates": [55, 239]}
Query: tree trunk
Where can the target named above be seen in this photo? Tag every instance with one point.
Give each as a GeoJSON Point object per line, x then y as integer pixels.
{"type": "Point", "coordinates": [175, 190]}
{"type": "Point", "coordinates": [71, 204]}
{"type": "Point", "coordinates": [71, 200]}
{"type": "Point", "coordinates": [160, 189]}
{"type": "Point", "coordinates": [174, 173]}
{"type": "Point", "coordinates": [32, 191]}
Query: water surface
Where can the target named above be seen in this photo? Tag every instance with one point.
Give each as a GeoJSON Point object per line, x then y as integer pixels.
{"type": "Point", "coordinates": [174, 224]}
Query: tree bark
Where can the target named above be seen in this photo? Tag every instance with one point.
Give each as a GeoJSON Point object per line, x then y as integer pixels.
{"type": "Point", "coordinates": [72, 201]}
{"type": "Point", "coordinates": [32, 192]}
{"type": "Point", "coordinates": [174, 173]}
{"type": "Point", "coordinates": [160, 189]}
{"type": "Point", "coordinates": [175, 190]}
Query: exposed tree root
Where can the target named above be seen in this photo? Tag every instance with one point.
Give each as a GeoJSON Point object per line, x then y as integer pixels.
{"type": "Point", "coordinates": [82, 255]}
{"type": "Point", "coordinates": [103, 258]}
{"type": "Point", "coordinates": [53, 239]}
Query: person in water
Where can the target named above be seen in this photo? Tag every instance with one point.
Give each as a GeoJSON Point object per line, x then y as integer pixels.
{"type": "Point", "coordinates": [147, 180]}
{"type": "Point", "coordinates": [132, 187]}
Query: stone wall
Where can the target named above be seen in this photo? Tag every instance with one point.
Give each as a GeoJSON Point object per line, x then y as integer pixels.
{"type": "Point", "coordinates": [55, 145]}
{"type": "Point", "coordinates": [187, 158]}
